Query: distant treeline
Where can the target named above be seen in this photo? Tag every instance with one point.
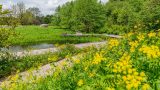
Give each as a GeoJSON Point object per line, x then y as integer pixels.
{"type": "Point", "coordinates": [116, 16]}
{"type": "Point", "coordinates": [20, 14]}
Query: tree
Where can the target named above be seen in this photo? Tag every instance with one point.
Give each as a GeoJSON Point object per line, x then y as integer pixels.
{"type": "Point", "coordinates": [81, 15]}
{"type": "Point", "coordinates": [21, 9]}
{"type": "Point", "coordinates": [48, 19]}
{"type": "Point", "coordinates": [35, 11]}
{"type": "Point", "coordinates": [5, 31]}
{"type": "Point", "coordinates": [28, 18]}
{"type": "Point", "coordinates": [151, 14]}
{"type": "Point", "coordinates": [56, 19]}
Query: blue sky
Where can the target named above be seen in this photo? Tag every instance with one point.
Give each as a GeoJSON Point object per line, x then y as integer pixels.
{"type": "Point", "coordinates": [46, 6]}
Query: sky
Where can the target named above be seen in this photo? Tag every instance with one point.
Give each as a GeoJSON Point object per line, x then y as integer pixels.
{"type": "Point", "coordinates": [46, 6]}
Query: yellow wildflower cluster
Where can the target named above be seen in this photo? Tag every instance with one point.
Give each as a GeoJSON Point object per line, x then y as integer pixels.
{"type": "Point", "coordinates": [53, 58]}
{"type": "Point", "coordinates": [15, 78]}
{"type": "Point", "coordinates": [151, 51]}
{"type": "Point", "coordinates": [130, 76]}
{"type": "Point", "coordinates": [77, 61]}
{"type": "Point", "coordinates": [140, 37]}
{"type": "Point", "coordinates": [91, 74]}
{"type": "Point", "coordinates": [10, 85]}
{"type": "Point", "coordinates": [98, 58]}
{"type": "Point", "coordinates": [113, 43]}
{"type": "Point", "coordinates": [122, 65]}
{"type": "Point", "coordinates": [133, 45]}
{"type": "Point", "coordinates": [152, 34]}
{"type": "Point", "coordinates": [129, 34]}
{"type": "Point", "coordinates": [80, 82]}
{"type": "Point", "coordinates": [145, 87]}
{"type": "Point", "coordinates": [108, 88]}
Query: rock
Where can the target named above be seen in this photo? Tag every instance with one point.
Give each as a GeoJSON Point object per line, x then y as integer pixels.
{"type": "Point", "coordinates": [44, 25]}
{"type": "Point", "coordinates": [79, 33]}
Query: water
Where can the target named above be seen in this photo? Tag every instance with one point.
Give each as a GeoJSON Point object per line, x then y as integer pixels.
{"type": "Point", "coordinates": [31, 47]}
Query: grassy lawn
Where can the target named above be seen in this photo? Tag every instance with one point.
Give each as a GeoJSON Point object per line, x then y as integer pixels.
{"type": "Point", "coordinates": [29, 35]}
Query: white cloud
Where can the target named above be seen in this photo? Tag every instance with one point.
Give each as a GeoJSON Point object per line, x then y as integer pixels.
{"type": "Point", "coordinates": [46, 6]}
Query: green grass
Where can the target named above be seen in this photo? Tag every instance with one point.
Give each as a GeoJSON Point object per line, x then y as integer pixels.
{"type": "Point", "coordinates": [30, 35]}
{"type": "Point", "coordinates": [10, 65]}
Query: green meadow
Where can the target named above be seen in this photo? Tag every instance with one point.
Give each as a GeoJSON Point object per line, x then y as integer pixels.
{"type": "Point", "coordinates": [30, 35]}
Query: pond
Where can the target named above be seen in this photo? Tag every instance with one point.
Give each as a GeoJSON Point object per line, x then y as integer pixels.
{"type": "Point", "coordinates": [27, 48]}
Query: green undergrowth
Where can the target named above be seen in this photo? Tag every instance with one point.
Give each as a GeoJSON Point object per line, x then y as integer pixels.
{"type": "Point", "coordinates": [10, 65]}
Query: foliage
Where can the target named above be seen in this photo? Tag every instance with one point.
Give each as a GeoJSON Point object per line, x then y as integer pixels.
{"type": "Point", "coordinates": [10, 65]}
{"type": "Point", "coordinates": [48, 19]}
{"type": "Point", "coordinates": [130, 63]}
{"type": "Point", "coordinates": [116, 17]}
{"type": "Point", "coordinates": [81, 15]}
{"type": "Point", "coordinates": [30, 16]}
{"type": "Point", "coordinates": [128, 15]}
{"type": "Point", "coordinates": [5, 31]}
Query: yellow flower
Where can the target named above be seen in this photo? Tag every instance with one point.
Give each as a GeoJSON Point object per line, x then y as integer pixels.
{"type": "Point", "coordinates": [140, 37]}
{"type": "Point", "coordinates": [120, 64]}
{"type": "Point", "coordinates": [115, 71]}
{"type": "Point", "coordinates": [80, 82]}
{"type": "Point", "coordinates": [77, 61]}
{"type": "Point", "coordinates": [124, 68]}
{"type": "Point", "coordinates": [129, 77]}
{"type": "Point", "coordinates": [113, 43]}
{"type": "Point", "coordinates": [130, 34]}
{"type": "Point", "coordinates": [115, 66]}
{"type": "Point", "coordinates": [14, 78]}
{"type": "Point", "coordinates": [12, 87]}
{"type": "Point", "coordinates": [124, 78]}
{"type": "Point", "coordinates": [142, 74]}
{"type": "Point", "coordinates": [98, 58]}
{"type": "Point", "coordinates": [110, 89]}
{"type": "Point", "coordinates": [139, 78]}
{"type": "Point", "coordinates": [152, 34]}
{"type": "Point", "coordinates": [86, 68]}
{"type": "Point", "coordinates": [130, 71]}
{"type": "Point", "coordinates": [150, 51]}
{"type": "Point", "coordinates": [91, 74]}
{"type": "Point", "coordinates": [136, 73]}
{"type": "Point", "coordinates": [135, 85]}
{"type": "Point", "coordinates": [124, 72]}
{"type": "Point", "coordinates": [145, 87]}
{"type": "Point", "coordinates": [133, 45]}
{"type": "Point", "coordinates": [129, 86]}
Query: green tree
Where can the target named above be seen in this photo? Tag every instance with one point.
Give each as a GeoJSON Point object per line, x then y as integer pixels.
{"type": "Point", "coordinates": [56, 17]}
{"type": "Point", "coordinates": [88, 16]}
{"type": "Point", "coordinates": [65, 13]}
{"type": "Point", "coordinates": [81, 15]}
{"type": "Point", "coordinates": [5, 31]}
{"type": "Point", "coordinates": [151, 14]}
{"type": "Point", "coordinates": [48, 19]}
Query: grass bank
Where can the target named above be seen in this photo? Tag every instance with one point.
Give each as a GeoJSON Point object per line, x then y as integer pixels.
{"type": "Point", "coordinates": [30, 35]}
{"type": "Point", "coordinates": [11, 65]}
